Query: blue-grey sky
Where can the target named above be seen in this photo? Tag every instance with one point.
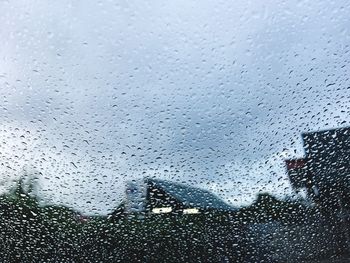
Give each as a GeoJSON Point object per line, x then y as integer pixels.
{"type": "Point", "coordinates": [211, 93]}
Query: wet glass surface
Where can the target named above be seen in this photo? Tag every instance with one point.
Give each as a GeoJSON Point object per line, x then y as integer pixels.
{"type": "Point", "coordinates": [190, 131]}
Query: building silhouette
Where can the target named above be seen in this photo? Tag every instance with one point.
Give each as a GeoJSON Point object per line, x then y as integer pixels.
{"type": "Point", "coordinates": [155, 196]}
{"type": "Point", "coordinates": [325, 170]}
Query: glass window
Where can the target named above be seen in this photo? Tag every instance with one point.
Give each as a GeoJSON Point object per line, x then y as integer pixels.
{"type": "Point", "coordinates": [174, 131]}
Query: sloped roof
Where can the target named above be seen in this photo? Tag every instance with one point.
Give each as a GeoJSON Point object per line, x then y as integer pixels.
{"type": "Point", "coordinates": [329, 153]}
{"type": "Point", "coordinates": [191, 196]}
{"type": "Point", "coordinates": [328, 149]}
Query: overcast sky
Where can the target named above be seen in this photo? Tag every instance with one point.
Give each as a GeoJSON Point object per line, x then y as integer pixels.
{"type": "Point", "coordinates": [214, 94]}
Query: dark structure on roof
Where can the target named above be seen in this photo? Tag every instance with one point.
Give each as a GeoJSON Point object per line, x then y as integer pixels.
{"type": "Point", "coordinates": [159, 197]}
{"type": "Point", "coordinates": [325, 170]}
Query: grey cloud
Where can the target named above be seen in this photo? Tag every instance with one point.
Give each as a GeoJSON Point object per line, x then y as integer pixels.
{"type": "Point", "coordinates": [177, 90]}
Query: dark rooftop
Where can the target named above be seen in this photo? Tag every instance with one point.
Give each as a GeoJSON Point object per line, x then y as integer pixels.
{"type": "Point", "coordinates": [191, 196]}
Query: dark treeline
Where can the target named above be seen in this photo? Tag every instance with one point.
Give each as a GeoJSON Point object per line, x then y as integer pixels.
{"type": "Point", "coordinates": [33, 233]}
{"type": "Point", "coordinates": [30, 233]}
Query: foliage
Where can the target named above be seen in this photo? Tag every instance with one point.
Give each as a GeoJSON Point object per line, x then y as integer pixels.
{"type": "Point", "coordinates": [32, 233]}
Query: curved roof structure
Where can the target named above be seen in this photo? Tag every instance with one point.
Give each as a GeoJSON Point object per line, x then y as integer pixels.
{"type": "Point", "coordinates": [191, 196]}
